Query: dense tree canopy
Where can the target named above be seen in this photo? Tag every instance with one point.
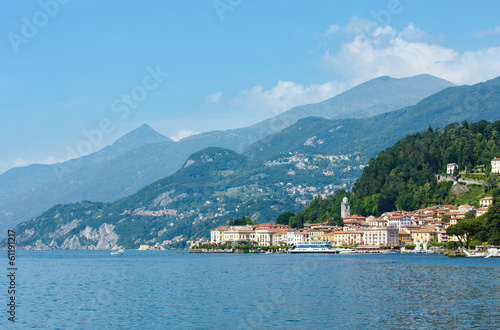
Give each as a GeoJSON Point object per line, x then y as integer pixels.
{"type": "Point", "coordinates": [406, 172]}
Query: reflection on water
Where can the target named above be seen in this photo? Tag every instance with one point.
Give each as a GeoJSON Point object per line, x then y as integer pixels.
{"type": "Point", "coordinates": [92, 289]}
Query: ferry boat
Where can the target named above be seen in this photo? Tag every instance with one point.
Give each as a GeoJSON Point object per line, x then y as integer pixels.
{"type": "Point", "coordinates": [314, 247]}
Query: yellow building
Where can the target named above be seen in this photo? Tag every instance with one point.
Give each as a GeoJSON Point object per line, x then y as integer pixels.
{"type": "Point", "coordinates": [339, 237]}
{"type": "Point", "coordinates": [315, 235]}
{"type": "Point", "coordinates": [405, 237]}
{"type": "Point", "coordinates": [238, 234]}
{"type": "Point", "coordinates": [217, 234]}
{"type": "Point", "coordinates": [424, 235]}
{"type": "Point", "coordinates": [486, 202]}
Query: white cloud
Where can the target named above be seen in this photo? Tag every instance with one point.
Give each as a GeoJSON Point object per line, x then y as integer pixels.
{"type": "Point", "coordinates": [285, 95]}
{"type": "Point", "coordinates": [182, 134]}
{"type": "Point", "coordinates": [375, 51]}
{"type": "Point", "coordinates": [332, 29]}
{"type": "Point", "coordinates": [213, 98]}
{"type": "Point", "coordinates": [487, 32]}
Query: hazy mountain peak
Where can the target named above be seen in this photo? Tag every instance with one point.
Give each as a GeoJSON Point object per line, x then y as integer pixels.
{"type": "Point", "coordinates": [142, 135]}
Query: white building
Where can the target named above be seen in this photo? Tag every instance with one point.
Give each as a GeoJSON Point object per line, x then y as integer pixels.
{"type": "Point", "coordinates": [377, 222]}
{"type": "Point", "coordinates": [301, 236]}
{"type": "Point", "coordinates": [290, 237]}
{"type": "Point", "coordinates": [451, 168]}
{"type": "Point", "coordinates": [399, 221]}
{"type": "Point", "coordinates": [495, 165]}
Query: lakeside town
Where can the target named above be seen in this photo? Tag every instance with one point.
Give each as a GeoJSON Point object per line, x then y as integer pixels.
{"type": "Point", "coordinates": [422, 230]}
{"type": "Point", "coordinates": [391, 229]}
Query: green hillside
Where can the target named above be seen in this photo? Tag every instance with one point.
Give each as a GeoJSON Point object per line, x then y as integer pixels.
{"type": "Point", "coordinates": [212, 186]}
{"type": "Point", "coordinates": [404, 176]}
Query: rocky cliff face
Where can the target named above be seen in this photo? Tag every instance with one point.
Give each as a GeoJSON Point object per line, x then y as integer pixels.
{"type": "Point", "coordinates": [102, 238]}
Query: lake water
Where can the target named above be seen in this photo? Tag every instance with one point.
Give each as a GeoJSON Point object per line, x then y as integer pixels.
{"type": "Point", "coordinates": [168, 290]}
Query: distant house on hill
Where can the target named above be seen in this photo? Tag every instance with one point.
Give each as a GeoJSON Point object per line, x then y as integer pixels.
{"type": "Point", "coordinates": [486, 201]}
{"type": "Point", "coordinates": [495, 165]}
{"type": "Point", "coordinates": [451, 168]}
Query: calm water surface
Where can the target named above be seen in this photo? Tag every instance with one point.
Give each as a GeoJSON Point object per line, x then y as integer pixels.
{"type": "Point", "coordinates": [168, 290]}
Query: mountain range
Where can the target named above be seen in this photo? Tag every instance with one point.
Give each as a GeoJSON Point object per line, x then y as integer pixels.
{"type": "Point", "coordinates": [255, 184]}
{"type": "Point", "coordinates": [367, 136]}
{"type": "Point", "coordinates": [144, 156]}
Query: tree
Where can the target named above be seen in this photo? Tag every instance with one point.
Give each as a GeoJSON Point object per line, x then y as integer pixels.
{"type": "Point", "coordinates": [491, 223]}
{"type": "Point", "coordinates": [465, 230]}
{"type": "Point", "coordinates": [446, 218]}
{"type": "Point", "coordinates": [284, 218]}
{"type": "Point", "coordinates": [492, 180]}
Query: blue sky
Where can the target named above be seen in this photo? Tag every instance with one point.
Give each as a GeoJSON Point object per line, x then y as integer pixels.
{"type": "Point", "coordinates": [71, 67]}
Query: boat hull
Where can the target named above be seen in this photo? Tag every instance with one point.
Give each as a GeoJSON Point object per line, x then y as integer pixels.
{"type": "Point", "coordinates": [316, 252]}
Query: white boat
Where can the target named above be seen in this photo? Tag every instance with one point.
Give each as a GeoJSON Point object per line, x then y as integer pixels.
{"type": "Point", "coordinates": [118, 252]}
{"type": "Point", "coordinates": [489, 253]}
{"type": "Point", "coordinates": [390, 251]}
{"type": "Point", "coordinates": [314, 247]}
{"type": "Point", "coordinates": [347, 251]}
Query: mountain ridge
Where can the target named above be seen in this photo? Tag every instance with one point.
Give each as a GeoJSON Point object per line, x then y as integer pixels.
{"type": "Point", "coordinates": [107, 179]}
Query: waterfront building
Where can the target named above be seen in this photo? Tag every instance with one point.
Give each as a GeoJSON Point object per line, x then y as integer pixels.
{"type": "Point", "coordinates": [345, 208]}
{"type": "Point", "coordinates": [381, 236]}
{"type": "Point", "coordinates": [217, 234]}
{"type": "Point", "coordinates": [264, 237]}
{"type": "Point", "coordinates": [339, 237]}
{"type": "Point", "coordinates": [279, 237]}
{"type": "Point", "coordinates": [404, 237]}
{"type": "Point", "coordinates": [290, 236]}
{"type": "Point", "coordinates": [354, 237]}
{"type": "Point", "coordinates": [315, 235]}
{"type": "Point", "coordinates": [237, 234]}
{"type": "Point", "coordinates": [301, 236]}
{"type": "Point", "coordinates": [424, 236]}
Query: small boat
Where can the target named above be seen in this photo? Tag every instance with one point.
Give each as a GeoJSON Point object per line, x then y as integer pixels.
{"type": "Point", "coordinates": [314, 247]}
{"type": "Point", "coordinates": [118, 252]}
{"type": "Point", "coordinates": [347, 251]}
{"type": "Point", "coordinates": [475, 254]}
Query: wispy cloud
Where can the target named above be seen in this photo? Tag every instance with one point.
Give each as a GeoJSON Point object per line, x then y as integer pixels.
{"type": "Point", "coordinates": [183, 133]}
{"type": "Point", "coordinates": [285, 95]}
{"type": "Point", "coordinates": [332, 29]}
{"type": "Point", "coordinates": [213, 98]}
{"type": "Point", "coordinates": [386, 51]}
{"type": "Point", "coordinates": [487, 32]}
